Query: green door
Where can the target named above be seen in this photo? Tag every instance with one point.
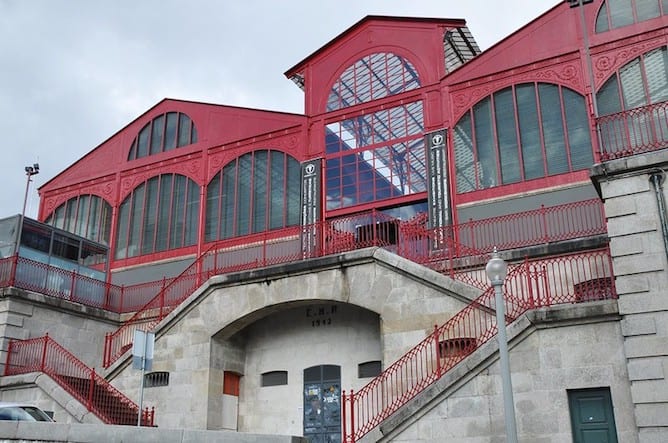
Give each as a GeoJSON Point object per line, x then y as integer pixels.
{"type": "Point", "coordinates": [592, 416]}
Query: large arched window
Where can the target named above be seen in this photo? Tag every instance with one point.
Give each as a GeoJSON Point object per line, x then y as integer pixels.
{"type": "Point", "coordinates": [523, 132]}
{"type": "Point", "coordinates": [164, 133]}
{"type": "Point", "coordinates": [88, 216]}
{"type": "Point", "coordinates": [618, 13]}
{"type": "Point", "coordinates": [375, 156]}
{"type": "Point", "coordinates": [256, 192]}
{"type": "Point", "coordinates": [372, 77]}
{"type": "Point", "coordinates": [160, 214]}
{"type": "Point", "coordinates": [640, 89]}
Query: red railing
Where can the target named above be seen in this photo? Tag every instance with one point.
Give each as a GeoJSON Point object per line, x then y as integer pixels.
{"type": "Point", "coordinates": [635, 131]}
{"type": "Point", "coordinates": [544, 282]}
{"type": "Point", "coordinates": [259, 250]}
{"type": "Point", "coordinates": [459, 248]}
{"type": "Point", "coordinates": [43, 354]}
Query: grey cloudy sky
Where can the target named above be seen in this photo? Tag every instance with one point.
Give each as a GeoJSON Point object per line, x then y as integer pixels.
{"type": "Point", "coordinates": [76, 71]}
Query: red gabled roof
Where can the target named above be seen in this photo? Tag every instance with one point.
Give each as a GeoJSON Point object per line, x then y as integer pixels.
{"type": "Point", "coordinates": [364, 22]}
{"type": "Point", "coordinates": [111, 155]}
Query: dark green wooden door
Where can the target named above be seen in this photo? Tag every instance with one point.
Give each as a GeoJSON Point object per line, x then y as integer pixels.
{"type": "Point", "coordinates": [592, 416]}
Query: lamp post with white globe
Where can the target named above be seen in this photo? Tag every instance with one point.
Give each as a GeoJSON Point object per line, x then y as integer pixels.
{"type": "Point", "coordinates": [496, 271]}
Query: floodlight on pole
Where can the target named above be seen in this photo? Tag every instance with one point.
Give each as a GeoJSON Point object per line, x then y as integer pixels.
{"type": "Point", "coordinates": [497, 270]}
{"type": "Point", "coordinates": [30, 171]}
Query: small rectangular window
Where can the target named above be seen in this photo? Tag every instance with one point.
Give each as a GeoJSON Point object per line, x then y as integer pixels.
{"type": "Point", "coordinates": [155, 379]}
{"type": "Point", "coordinates": [275, 378]}
{"type": "Point", "coordinates": [369, 369]}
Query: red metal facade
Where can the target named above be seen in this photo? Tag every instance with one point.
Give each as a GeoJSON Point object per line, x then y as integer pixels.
{"type": "Point", "coordinates": [549, 49]}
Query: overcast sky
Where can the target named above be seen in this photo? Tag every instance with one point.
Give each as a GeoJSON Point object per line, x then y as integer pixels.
{"type": "Point", "coordinates": [76, 71]}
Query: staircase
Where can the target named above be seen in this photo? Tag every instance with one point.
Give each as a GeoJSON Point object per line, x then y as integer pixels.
{"type": "Point", "coordinates": [43, 354]}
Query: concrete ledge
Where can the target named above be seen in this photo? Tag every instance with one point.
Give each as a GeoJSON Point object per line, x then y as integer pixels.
{"type": "Point", "coordinates": [95, 433]}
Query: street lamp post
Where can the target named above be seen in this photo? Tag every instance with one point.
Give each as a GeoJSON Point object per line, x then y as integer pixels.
{"type": "Point", "coordinates": [496, 271]}
{"type": "Point", "coordinates": [30, 171]}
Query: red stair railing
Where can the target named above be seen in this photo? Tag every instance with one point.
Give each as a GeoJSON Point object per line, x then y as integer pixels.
{"type": "Point", "coordinates": [572, 278]}
{"type": "Point", "coordinates": [43, 354]}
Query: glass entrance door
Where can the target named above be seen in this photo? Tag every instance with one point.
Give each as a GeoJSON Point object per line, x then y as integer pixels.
{"type": "Point", "coordinates": [322, 404]}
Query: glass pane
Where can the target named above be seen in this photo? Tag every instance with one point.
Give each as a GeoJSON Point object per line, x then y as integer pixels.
{"type": "Point", "coordinates": [164, 211]}
{"type": "Point", "coordinates": [65, 247]}
{"type": "Point", "coordinates": [647, 9]}
{"type": "Point", "coordinates": [192, 214]}
{"type": "Point", "coordinates": [293, 187]}
{"type": "Point", "coordinates": [243, 195]}
{"type": "Point", "coordinates": [212, 208]}
{"type": "Point", "coordinates": [136, 218]}
{"type": "Point", "coordinates": [178, 212]}
{"type": "Point", "coordinates": [333, 182]}
{"type": "Point", "coordinates": [123, 220]}
{"type": "Point", "coordinates": [506, 134]}
{"type": "Point", "coordinates": [530, 139]}
{"type": "Point", "coordinates": [579, 137]}
{"type": "Point", "coordinates": [133, 150]}
{"type": "Point", "coordinates": [105, 223]}
{"type": "Point", "coordinates": [59, 219]}
{"type": "Point", "coordinates": [484, 137]}
{"type": "Point", "coordinates": [170, 131]}
{"type": "Point", "coordinates": [602, 19]}
{"type": "Point", "coordinates": [656, 71]}
{"type": "Point", "coordinates": [277, 190]}
{"type": "Point", "coordinates": [259, 191]}
{"type": "Point", "coordinates": [372, 77]}
{"type": "Point", "coordinates": [228, 199]}
{"type": "Point", "coordinates": [70, 214]}
{"type": "Point", "coordinates": [142, 144]}
{"type": "Point", "coordinates": [156, 134]}
{"type": "Point", "coordinates": [553, 129]}
{"type": "Point", "coordinates": [607, 97]}
{"type": "Point", "coordinates": [664, 7]}
{"type": "Point", "coordinates": [150, 216]}
{"type": "Point", "coordinates": [184, 130]}
{"type": "Point", "coordinates": [81, 225]}
{"type": "Point", "coordinates": [465, 161]}
{"type": "Point", "coordinates": [621, 13]}
{"type": "Point", "coordinates": [633, 89]}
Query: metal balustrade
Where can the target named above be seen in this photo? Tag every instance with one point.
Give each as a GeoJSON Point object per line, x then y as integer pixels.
{"type": "Point", "coordinates": [43, 354]}
{"type": "Point", "coordinates": [455, 250]}
{"type": "Point", "coordinates": [460, 252]}
{"type": "Point", "coordinates": [634, 131]}
{"type": "Point", "coordinates": [572, 278]}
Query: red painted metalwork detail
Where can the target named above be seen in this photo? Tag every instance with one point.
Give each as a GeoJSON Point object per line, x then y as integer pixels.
{"type": "Point", "coordinates": [43, 354]}
{"type": "Point", "coordinates": [530, 284]}
{"type": "Point", "coordinates": [411, 239]}
{"type": "Point", "coordinates": [605, 64]}
{"type": "Point", "coordinates": [569, 75]}
{"type": "Point", "coordinates": [635, 131]}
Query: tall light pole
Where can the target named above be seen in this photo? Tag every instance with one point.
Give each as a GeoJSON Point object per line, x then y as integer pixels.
{"type": "Point", "coordinates": [30, 171]}
{"type": "Point", "coordinates": [496, 271]}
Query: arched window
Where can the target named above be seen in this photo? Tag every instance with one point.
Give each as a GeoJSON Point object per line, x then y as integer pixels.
{"type": "Point", "coordinates": [640, 89]}
{"type": "Point", "coordinates": [523, 132]}
{"type": "Point", "coordinates": [256, 192]}
{"type": "Point", "coordinates": [88, 216]}
{"type": "Point", "coordinates": [375, 156]}
{"type": "Point", "coordinates": [164, 133]}
{"type": "Point", "coordinates": [618, 13]}
{"type": "Point", "coordinates": [372, 77]}
{"type": "Point", "coordinates": [640, 82]}
{"type": "Point", "coordinates": [159, 214]}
